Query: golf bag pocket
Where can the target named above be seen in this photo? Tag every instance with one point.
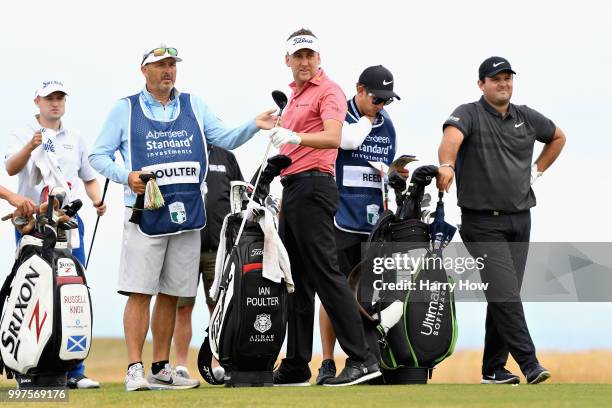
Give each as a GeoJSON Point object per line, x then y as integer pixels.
{"type": "Point", "coordinates": [75, 309]}
{"type": "Point", "coordinates": [414, 233]}
{"type": "Point", "coordinates": [429, 317]}
{"type": "Point", "coordinates": [27, 314]}
{"type": "Point", "coordinates": [263, 314]}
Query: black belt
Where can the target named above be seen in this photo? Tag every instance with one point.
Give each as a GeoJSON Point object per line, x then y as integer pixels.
{"type": "Point", "coordinates": [490, 212]}
{"type": "Point", "coordinates": [285, 181]}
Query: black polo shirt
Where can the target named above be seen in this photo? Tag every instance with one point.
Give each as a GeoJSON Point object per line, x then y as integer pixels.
{"type": "Point", "coordinates": [222, 169]}
{"type": "Point", "coordinates": [493, 166]}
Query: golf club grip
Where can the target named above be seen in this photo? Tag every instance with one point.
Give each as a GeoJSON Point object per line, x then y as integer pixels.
{"type": "Point", "coordinates": [50, 202]}
{"type": "Point", "coordinates": [140, 199]}
{"type": "Point", "coordinates": [104, 191]}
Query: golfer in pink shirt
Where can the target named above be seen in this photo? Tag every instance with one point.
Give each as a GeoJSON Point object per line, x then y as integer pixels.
{"type": "Point", "coordinates": [311, 133]}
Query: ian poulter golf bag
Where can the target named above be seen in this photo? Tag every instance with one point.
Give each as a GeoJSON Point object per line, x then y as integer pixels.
{"type": "Point", "coordinates": [46, 316]}
{"type": "Point", "coordinates": [411, 326]}
{"type": "Point", "coordinates": [248, 324]}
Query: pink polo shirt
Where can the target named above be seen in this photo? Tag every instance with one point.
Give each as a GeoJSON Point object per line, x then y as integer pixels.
{"type": "Point", "coordinates": [320, 99]}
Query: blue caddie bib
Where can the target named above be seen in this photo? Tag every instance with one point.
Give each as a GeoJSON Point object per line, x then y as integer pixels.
{"type": "Point", "coordinates": [175, 151]}
{"type": "Point", "coordinates": [359, 184]}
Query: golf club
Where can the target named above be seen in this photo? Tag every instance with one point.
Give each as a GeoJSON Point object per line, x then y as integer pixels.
{"type": "Point", "coordinates": [281, 101]}
{"type": "Point", "coordinates": [93, 237]}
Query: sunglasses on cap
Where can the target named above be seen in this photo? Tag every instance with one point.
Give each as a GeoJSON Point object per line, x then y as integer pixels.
{"type": "Point", "coordinates": [377, 101]}
{"type": "Point", "coordinates": [158, 52]}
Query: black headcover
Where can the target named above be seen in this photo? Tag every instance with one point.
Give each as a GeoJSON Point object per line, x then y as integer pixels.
{"type": "Point", "coordinates": [275, 165]}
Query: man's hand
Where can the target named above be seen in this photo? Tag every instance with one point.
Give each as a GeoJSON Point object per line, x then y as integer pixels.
{"type": "Point", "coordinates": [100, 208]}
{"type": "Point", "coordinates": [445, 178]}
{"type": "Point", "coordinates": [25, 206]}
{"type": "Point", "coordinates": [404, 173]}
{"type": "Point", "coordinates": [135, 183]}
{"type": "Point", "coordinates": [281, 136]}
{"type": "Point", "coordinates": [266, 120]}
{"type": "Point", "coordinates": [35, 141]}
{"type": "Point", "coordinates": [535, 173]}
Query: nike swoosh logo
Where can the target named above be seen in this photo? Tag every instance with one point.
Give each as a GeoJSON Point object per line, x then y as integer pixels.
{"type": "Point", "coordinates": [385, 83]}
{"type": "Point", "coordinates": [495, 64]}
{"type": "Point", "coordinates": [518, 125]}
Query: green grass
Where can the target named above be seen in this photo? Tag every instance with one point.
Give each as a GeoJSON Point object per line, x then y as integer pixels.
{"type": "Point", "coordinates": [432, 395]}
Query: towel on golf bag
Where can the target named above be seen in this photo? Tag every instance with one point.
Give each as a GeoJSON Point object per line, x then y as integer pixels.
{"type": "Point", "coordinates": [46, 317]}
{"type": "Point", "coordinates": [276, 265]}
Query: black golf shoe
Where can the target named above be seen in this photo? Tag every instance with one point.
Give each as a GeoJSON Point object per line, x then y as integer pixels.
{"type": "Point", "coordinates": [537, 375]}
{"type": "Point", "coordinates": [326, 372]}
{"type": "Point", "coordinates": [293, 378]}
{"type": "Point", "coordinates": [500, 376]}
{"type": "Point", "coordinates": [354, 373]}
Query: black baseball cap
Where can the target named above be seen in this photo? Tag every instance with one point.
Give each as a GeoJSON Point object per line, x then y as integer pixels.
{"type": "Point", "coordinates": [379, 81]}
{"type": "Point", "coordinates": [493, 66]}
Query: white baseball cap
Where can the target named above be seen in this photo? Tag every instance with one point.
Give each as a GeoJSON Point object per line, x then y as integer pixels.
{"type": "Point", "coordinates": [160, 53]}
{"type": "Point", "coordinates": [302, 41]}
{"type": "Point", "coordinates": [48, 87]}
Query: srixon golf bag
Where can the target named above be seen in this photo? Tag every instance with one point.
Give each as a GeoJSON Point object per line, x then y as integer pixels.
{"type": "Point", "coordinates": [410, 326]}
{"type": "Point", "coordinates": [248, 324]}
{"type": "Point", "coordinates": [46, 316]}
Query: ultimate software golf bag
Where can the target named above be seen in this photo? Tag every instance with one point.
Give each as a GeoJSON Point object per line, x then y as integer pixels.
{"type": "Point", "coordinates": [46, 317]}
{"type": "Point", "coordinates": [247, 327]}
{"type": "Point", "coordinates": [410, 326]}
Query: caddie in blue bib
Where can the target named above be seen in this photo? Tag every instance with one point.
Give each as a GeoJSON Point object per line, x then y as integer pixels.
{"type": "Point", "coordinates": [359, 184]}
{"type": "Point", "coordinates": [175, 152]}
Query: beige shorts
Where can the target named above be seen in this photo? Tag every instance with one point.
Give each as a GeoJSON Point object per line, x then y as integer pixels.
{"type": "Point", "coordinates": [152, 265]}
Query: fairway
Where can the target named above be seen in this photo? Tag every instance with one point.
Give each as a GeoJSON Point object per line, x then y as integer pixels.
{"type": "Point", "coordinates": [433, 395]}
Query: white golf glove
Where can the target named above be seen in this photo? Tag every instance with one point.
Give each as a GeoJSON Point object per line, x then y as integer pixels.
{"type": "Point", "coordinates": [281, 136]}
{"type": "Point", "coordinates": [535, 173]}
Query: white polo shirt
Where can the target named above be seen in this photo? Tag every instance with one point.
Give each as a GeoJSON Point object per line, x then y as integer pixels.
{"type": "Point", "coordinates": [71, 152]}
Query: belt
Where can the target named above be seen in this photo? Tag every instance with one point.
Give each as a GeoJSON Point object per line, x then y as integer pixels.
{"type": "Point", "coordinates": [285, 181]}
{"type": "Point", "coordinates": [490, 212]}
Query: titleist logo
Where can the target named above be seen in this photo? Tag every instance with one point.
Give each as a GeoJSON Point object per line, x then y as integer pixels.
{"type": "Point", "coordinates": [300, 40]}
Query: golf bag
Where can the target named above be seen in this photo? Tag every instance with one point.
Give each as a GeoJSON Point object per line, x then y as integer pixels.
{"type": "Point", "coordinates": [247, 327]}
{"type": "Point", "coordinates": [412, 327]}
{"type": "Point", "coordinates": [46, 316]}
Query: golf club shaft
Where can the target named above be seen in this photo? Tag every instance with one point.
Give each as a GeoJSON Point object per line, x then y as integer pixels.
{"type": "Point", "coordinates": [261, 168]}
{"type": "Point", "coordinates": [93, 237]}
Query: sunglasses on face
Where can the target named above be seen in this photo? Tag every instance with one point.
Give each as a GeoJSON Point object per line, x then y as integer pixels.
{"type": "Point", "coordinates": [158, 52]}
{"type": "Point", "coordinates": [378, 101]}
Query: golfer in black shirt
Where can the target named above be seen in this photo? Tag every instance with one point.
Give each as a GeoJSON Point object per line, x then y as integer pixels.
{"type": "Point", "coordinates": [489, 144]}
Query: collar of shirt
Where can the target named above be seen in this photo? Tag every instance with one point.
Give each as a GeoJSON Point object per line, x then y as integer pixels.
{"type": "Point", "coordinates": [318, 78]}
{"type": "Point", "coordinates": [154, 106]}
{"type": "Point", "coordinates": [36, 126]}
{"type": "Point", "coordinates": [493, 111]}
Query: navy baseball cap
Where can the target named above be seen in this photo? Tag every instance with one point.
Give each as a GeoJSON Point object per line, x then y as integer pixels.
{"type": "Point", "coordinates": [379, 81]}
{"type": "Point", "coordinates": [493, 66]}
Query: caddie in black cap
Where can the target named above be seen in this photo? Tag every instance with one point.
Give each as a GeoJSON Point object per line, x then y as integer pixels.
{"type": "Point", "coordinates": [493, 66]}
{"type": "Point", "coordinates": [378, 80]}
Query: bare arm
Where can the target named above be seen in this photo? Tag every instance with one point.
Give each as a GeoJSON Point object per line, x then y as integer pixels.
{"type": "Point", "coordinates": [92, 188]}
{"type": "Point", "coordinates": [551, 151]}
{"type": "Point", "coordinates": [18, 161]}
{"type": "Point", "coordinates": [25, 206]}
{"type": "Point", "coordinates": [447, 154]}
{"type": "Point", "coordinates": [329, 138]}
